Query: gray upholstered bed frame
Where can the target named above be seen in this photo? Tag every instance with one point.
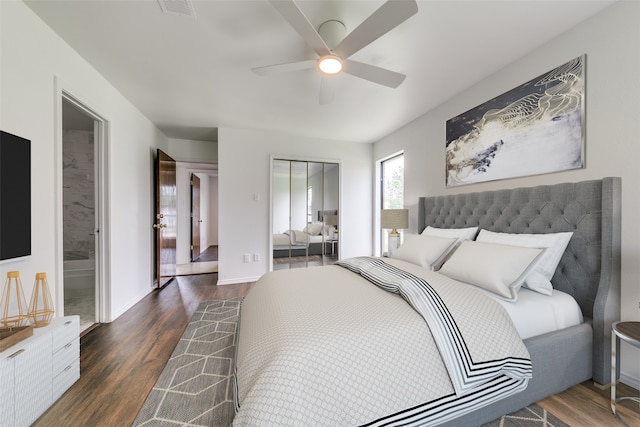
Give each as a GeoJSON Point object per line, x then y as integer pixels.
{"type": "Point", "coordinates": [589, 270]}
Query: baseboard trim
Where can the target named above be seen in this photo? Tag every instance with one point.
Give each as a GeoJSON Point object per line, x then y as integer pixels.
{"type": "Point", "coordinates": [238, 280]}
{"type": "Point", "coordinates": [624, 378]}
{"type": "Point", "coordinates": [629, 380]}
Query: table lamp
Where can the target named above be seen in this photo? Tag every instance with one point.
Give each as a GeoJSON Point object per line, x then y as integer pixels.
{"type": "Point", "coordinates": [394, 219]}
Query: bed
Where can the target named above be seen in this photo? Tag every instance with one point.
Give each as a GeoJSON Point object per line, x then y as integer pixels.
{"type": "Point", "coordinates": [293, 366]}
{"type": "Point", "coordinates": [292, 243]}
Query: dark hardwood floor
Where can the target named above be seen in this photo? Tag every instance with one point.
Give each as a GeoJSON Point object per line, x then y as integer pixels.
{"type": "Point", "coordinates": [586, 405]}
{"type": "Point", "coordinates": [287, 263]}
{"type": "Point", "coordinates": [209, 254]}
{"type": "Point", "coordinates": [121, 361]}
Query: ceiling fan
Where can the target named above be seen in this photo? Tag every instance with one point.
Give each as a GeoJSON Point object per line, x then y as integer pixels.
{"type": "Point", "coordinates": [334, 49]}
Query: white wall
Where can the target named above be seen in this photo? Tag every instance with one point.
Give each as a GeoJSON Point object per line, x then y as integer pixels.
{"type": "Point", "coordinates": [611, 41]}
{"type": "Point", "coordinates": [244, 157]}
{"type": "Point", "coordinates": [189, 150]}
{"type": "Point", "coordinates": [32, 56]}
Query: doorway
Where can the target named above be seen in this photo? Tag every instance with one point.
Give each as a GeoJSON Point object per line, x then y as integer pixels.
{"type": "Point", "coordinates": [165, 220]}
{"type": "Point", "coordinates": [197, 236]}
{"type": "Point", "coordinates": [81, 148]}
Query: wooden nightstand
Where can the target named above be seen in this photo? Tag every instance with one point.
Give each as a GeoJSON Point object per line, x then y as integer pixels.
{"type": "Point", "coordinates": [628, 332]}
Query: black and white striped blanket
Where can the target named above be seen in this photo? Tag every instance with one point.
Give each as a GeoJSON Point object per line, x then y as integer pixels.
{"type": "Point", "coordinates": [481, 380]}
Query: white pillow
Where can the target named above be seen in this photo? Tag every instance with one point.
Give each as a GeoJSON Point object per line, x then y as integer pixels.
{"type": "Point", "coordinates": [500, 269]}
{"type": "Point", "coordinates": [461, 234]}
{"type": "Point", "coordinates": [426, 251]}
{"type": "Point", "coordinates": [539, 279]}
{"type": "Point", "coordinates": [313, 229]}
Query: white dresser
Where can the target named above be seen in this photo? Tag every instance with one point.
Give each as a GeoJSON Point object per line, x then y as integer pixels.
{"type": "Point", "coordinates": [35, 372]}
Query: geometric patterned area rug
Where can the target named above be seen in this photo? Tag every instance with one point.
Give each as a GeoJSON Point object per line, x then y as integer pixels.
{"type": "Point", "coordinates": [195, 387]}
{"type": "Point", "coordinates": [532, 415]}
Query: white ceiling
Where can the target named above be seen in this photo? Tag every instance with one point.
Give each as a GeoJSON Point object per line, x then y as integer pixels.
{"type": "Point", "coordinates": [191, 76]}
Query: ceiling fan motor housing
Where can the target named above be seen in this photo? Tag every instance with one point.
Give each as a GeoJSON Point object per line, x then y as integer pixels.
{"type": "Point", "coordinates": [332, 32]}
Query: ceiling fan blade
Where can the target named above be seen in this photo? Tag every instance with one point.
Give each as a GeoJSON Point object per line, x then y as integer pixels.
{"type": "Point", "coordinates": [294, 16]}
{"type": "Point", "coordinates": [372, 73]}
{"type": "Point", "coordinates": [327, 89]}
{"type": "Point", "coordinates": [387, 17]}
{"type": "Point", "coordinates": [288, 67]}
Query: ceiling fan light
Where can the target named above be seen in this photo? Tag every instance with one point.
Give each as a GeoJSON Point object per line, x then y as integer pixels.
{"type": "Point", "coordinates": [330, 64]}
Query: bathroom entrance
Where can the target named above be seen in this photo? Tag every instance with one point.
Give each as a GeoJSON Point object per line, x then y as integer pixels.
{"type": "Point", "coordinates": [79, 182]}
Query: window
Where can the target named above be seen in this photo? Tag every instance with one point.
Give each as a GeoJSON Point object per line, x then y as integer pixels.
{"type": "Point", "coordinates": [392, 189]}
{"type": "Point", "coordinates": [392, 178]}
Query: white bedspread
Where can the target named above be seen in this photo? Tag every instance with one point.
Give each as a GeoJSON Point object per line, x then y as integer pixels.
{"type": "Point", "coordinates": [281, 240]}
{"type": "Point", "coordinates": [295, 238]}
{"type": "Point", "coordinates": [323, 346]}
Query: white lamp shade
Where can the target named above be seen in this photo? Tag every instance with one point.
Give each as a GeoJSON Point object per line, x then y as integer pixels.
{"type": "Point", "coordinates": [331, 219]}
{"type": "Point", "coordinates": [394, 218]}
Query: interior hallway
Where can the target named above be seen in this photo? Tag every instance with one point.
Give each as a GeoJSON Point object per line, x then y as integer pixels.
{"type": "Point", "coordinates": [207, 262]}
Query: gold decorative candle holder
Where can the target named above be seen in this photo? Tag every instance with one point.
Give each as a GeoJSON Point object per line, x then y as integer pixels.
{"type": "Point", "coordinates": [13, 305]}
{"type": "Point", "coordinates": [41, 306]}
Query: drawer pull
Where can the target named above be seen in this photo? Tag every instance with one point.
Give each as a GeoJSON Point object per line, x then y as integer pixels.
{"type": "Point", "coordinates": [67, 323]}
{"type": "Point", "coordinates": [67, 368]}
{"type": "Point", "coordinates": [68, 345]}
{"type": "Point", "coordinates": [15, 354]}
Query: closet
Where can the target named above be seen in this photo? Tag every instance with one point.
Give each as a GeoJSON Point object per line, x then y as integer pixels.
{"type": "Point", "coordinates": [305, 212]}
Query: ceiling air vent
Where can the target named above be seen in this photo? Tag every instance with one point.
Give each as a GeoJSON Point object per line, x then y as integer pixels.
{"type": "Point", "coordinates": [178, 7]}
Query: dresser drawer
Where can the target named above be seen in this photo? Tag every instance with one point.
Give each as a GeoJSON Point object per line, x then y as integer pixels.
{"type": "Point", "coordinates": [66, 355]}
{"type": "Point", "coordinates": [65, 379]}
{"type": "Point", "coordinates": [67, 331]}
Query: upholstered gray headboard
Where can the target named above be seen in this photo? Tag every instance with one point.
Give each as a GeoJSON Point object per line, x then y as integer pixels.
{"type": "Point", "coordinates": [590, 267]}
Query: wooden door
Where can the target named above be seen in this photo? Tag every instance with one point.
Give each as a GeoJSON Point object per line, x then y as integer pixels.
{"type": "Point", "coordinates": [165, 221]}
{"type": "Point", "coordinates": [195, 217]}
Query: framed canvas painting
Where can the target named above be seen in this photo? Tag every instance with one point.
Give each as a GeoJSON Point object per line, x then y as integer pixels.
{"type": "Point", "coordinates": [533, 129]}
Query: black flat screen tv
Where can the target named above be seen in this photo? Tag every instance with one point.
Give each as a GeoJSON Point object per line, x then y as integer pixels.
{"type": "Point", "coordinates": [15, 196]}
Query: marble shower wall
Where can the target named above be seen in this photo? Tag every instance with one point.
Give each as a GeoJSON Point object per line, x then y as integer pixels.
{"type": "Point", "coordinates": [78, 195]}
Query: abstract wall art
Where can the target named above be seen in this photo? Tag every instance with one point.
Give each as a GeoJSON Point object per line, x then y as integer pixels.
{"type": "Point", "coordinates": [533, 129]}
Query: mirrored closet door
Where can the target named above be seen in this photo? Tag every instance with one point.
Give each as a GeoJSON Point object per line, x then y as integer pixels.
{"type": "Point", "coordinates": [305, 214]}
